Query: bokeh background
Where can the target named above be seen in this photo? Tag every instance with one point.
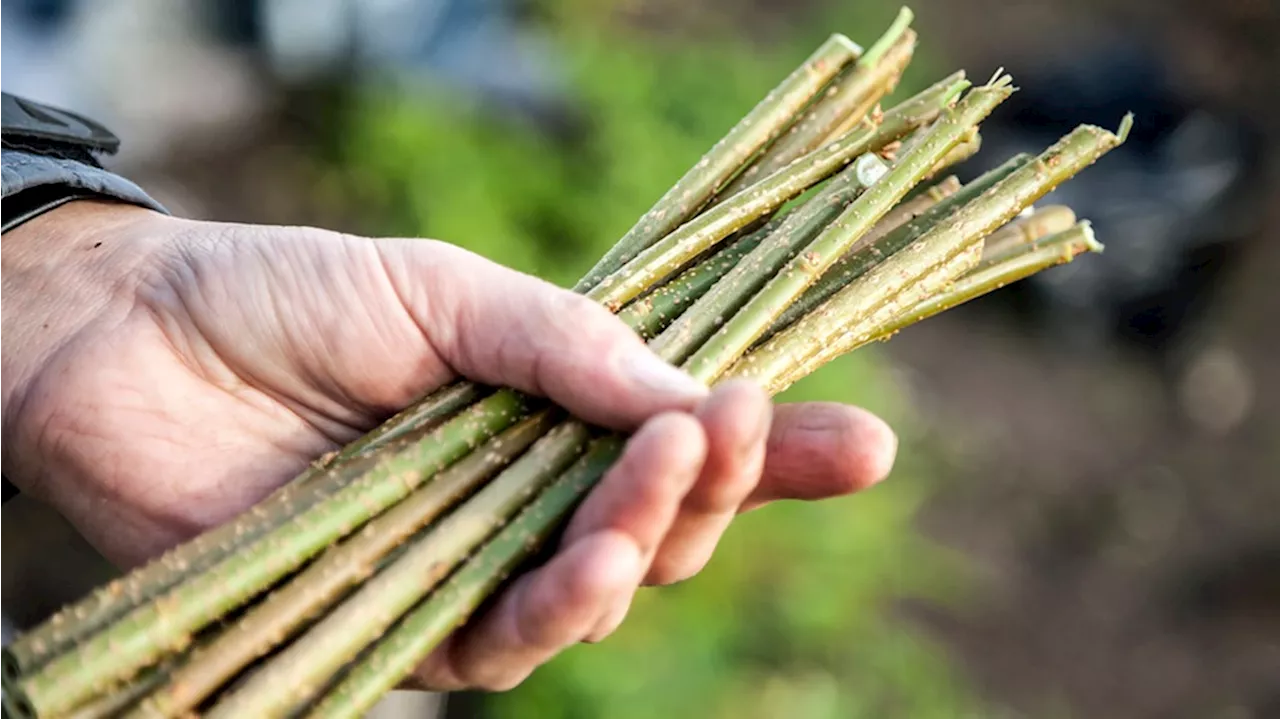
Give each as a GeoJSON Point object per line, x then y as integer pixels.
{"type": "Point", "coordinates": [1085, 518]}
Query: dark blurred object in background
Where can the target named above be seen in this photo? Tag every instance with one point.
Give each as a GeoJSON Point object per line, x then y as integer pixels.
{"type": "Point", "coordinates": [476, 45]}
{"type": "Point", "coordinates": [1127, 453]}
{"type": "Point", "coordinates": [1174, 205]}
{"type": "Point", "coordinates": [228, 65]}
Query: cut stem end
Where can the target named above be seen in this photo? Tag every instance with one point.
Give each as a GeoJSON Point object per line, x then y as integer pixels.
{"type": "Point", "coordinates": [1090, 238]}
{"type": "Point", "coordinates": [890, 36]}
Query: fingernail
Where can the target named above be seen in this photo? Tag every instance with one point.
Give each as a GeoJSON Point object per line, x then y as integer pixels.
{"type": "Point", "coordinates": [652, 373]}
{"type": "Point", "coordinates": [754, 436]}
{"type": "Point", "coordinates": [890, 454]}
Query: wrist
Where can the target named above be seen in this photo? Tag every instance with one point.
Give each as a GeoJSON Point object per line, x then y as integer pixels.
{"type": "Point", "coordinates": [63, 270]}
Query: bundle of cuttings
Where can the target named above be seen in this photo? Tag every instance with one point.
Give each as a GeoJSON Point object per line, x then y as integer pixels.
{"type": "Point", "coordinates": [820, 223]}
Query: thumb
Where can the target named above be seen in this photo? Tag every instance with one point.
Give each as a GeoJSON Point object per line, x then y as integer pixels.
{"type": "Point", "coordinates": [497, 326]}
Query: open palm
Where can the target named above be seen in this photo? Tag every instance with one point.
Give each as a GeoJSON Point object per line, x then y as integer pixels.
{"type": "Point", "coordinates": [161, 375]}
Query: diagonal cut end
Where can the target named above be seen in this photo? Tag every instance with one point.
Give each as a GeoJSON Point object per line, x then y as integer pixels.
{"type": "Point", "coordinates": [890, 36]}
{"type": "Point", "coordinates": [958, 86]}
{"type": "Point", "coordinates": [1091, 242]}
{"type": "Point", "coordinates": [845, 40]}
{"type": "Point", "coordinates": [1126, 124]}
{"type": "Point", "coordinates": [1000, 80]}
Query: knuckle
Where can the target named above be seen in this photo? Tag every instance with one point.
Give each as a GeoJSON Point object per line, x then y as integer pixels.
{"type": "Point", "coordinates": [671, 424]}
{"type": "Point", "coordinates": [581, 348]}
{"type": "Point", "coordinates": [587, 320]}
{"type": "Point", "coordinates": [560, 301]}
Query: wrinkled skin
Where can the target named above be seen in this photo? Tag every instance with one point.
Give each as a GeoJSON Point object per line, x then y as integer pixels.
{"type": "Point", "coordinates": [161, 374]}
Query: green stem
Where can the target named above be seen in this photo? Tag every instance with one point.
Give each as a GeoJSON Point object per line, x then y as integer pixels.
{"type": "Point", "coordinates": [808, 335]}
{"type": "Point", "coordinates": [111, 705]}
{"type": "Point", "coordinates": [896, 30]}
{"type": "Point", "coordinates": [965, 150]}
{"type": "Point", "coordinates": [165, 624]}
{"type": "Point", "coordinates": [908, 210]}
{"type": "Point", "coordinates": [989, 276]}
{"type": "Point", "coordinates": [919, 109]}
{"type": "Point", "coordinates": [934, 281]}
{"type": "Point", "coordinates": [424, 414]}
{"type": "Point", "coordinates": [986, 277]}
{"type": "Point", "coordinates": [846, 102]}
{"type": "Point", "coordinates": [286, 608]}
{"type": "Point", "coordinates": [1013, 237]}
{"type": "Point", "coordinates": [77, 622]}
{"type": "Point", "coordinates": [760, 126]}
{"type": "Point", "coordinates": [422, 629]}
{"type": "Point", "coordinates": [654, 310]}
{"type": "Point", "coordinates": [688, 332]}
{"type": "Point", "coordinates": [871, 249]}
{"type": "Point", "coordinates": [699, 234]}
{"type": "Point", "coordinates": [651, 312]}
{"type": "Point", "coordinates": [302, 668]}
{"type": "Point", "coordinates": [763, 309]}
{"type": "Point", "coordinates": [905, 46]}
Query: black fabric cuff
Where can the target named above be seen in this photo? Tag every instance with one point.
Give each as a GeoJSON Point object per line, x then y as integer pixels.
{"type": "Point", "coordinates": [48, 159]}
{"type": "Point", "coordinates": [35, 183]}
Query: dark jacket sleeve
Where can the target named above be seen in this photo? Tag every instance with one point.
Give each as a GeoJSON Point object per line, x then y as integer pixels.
{"type": "Point", "coordinates": [23, 170]}
{"type": "Point", "coordinates": [37, 183]}
{"type": "Point", "coordinates": [50, 157]}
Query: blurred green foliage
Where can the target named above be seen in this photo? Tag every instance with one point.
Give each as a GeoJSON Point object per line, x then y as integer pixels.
{"type": "Point", "coordinates": [793, 617]}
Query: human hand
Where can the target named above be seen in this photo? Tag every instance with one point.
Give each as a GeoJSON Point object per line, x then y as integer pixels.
{"type": "Point", "coordinates": [160, 375]}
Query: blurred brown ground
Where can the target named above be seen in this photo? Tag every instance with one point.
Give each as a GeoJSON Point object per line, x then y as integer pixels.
{"type": "Point", "coordinates": [1127, 542]}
